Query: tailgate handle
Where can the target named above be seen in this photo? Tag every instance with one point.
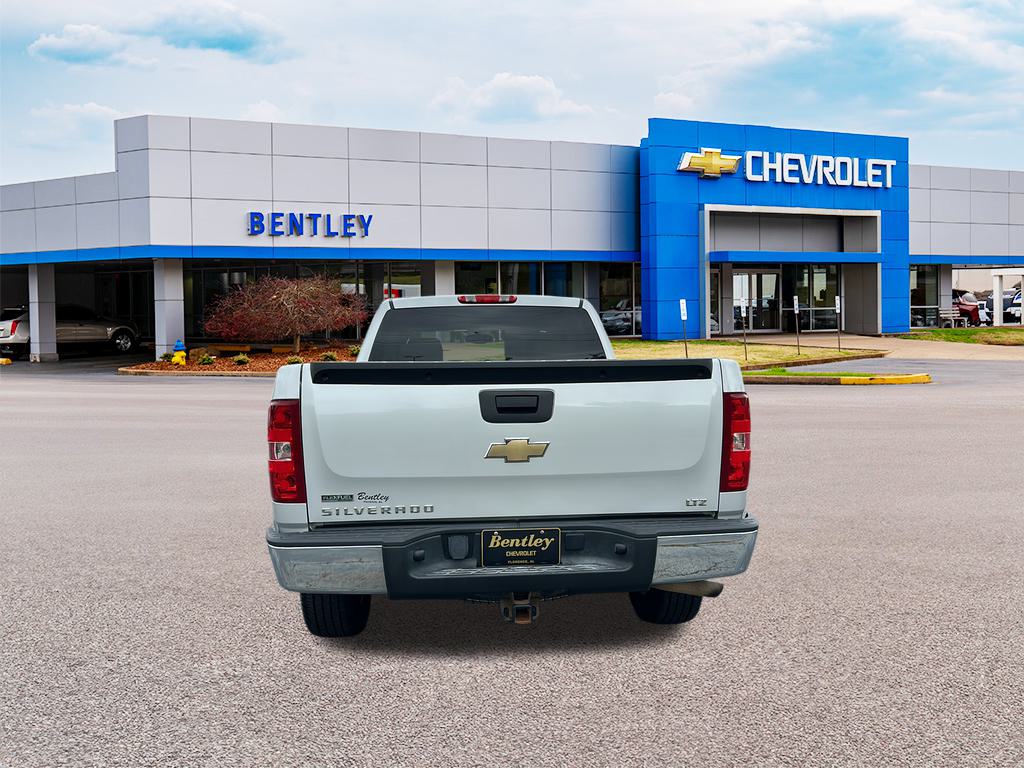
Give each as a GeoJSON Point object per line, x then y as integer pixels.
{"type": "Point", "coordinates": [516, 403]}
{"type": "Point", "coordinates": [524, 406]}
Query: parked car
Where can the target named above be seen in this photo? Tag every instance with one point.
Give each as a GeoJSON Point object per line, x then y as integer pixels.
{"type": "Point", "coordinates": [969, 306]}
{"type": "Point", "coordinates": [1011, 306]}
{"type": "Point", "coordinates": [75, 325]}
{"type": "Point", "coordinates": [618, 321]}
{"type": "Point", "coordinates": [1013, 311]}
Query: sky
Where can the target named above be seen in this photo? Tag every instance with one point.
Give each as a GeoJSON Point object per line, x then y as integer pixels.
{"type": "Point", "coordinates": [949, 75]}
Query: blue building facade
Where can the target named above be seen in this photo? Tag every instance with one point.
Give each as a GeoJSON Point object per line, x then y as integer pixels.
{"type": "Point", "coordinates": [675, 254]}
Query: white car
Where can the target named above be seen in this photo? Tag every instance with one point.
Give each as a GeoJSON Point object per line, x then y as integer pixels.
{"type": "Point", "coordinates": [75, 325]}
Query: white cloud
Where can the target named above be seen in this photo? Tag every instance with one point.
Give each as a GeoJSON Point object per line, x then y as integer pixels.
{"type": "Point", "coordinates": [713, 62]}
{"type": "Point", "coordinates": [79, 44]}
{"type": "Point", "coordinates": [509, 98]}
{"type": "Point", "coordinates": [213, 25]}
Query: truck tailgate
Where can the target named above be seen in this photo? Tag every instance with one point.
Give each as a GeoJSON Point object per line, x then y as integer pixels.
{"type": "Point", "coordinates": [405, 441]}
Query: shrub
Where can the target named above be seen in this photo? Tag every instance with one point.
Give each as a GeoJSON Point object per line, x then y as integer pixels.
{"type": "Point", "coordinates": [354, 349]}
{"type": "Point", "coordinates": [329, 357]}
{"type": "Point", "coordinates": [241, 359]}
{"type": "Point", "coordinates": [206, 360]}
{"type": "Point", "coordinates": [293, 359]}
{"type": "Point", "coordinates": [167, 357]}
{"type": "Point", "coordinates": [273, 308]}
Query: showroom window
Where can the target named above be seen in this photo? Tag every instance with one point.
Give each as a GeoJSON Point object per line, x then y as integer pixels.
{"type": "Point", "coordinates": [522, 277]}
{"type": "Point", "coordinates": [207, 279]}
{"type": "Point", "coordinates": [816, 287]}
{"type": "Point", "coordinates": [924, 296]}
{"type": "Point", "coordinates": [558, 278]}
{"type": "Point", "coordinates": [619, 305]}
{"type": "Point", "coordinates": [476, 277]}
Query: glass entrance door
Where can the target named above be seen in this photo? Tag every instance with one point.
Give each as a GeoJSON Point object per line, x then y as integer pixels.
{"type": "Point", "coordinates": [760, 292]}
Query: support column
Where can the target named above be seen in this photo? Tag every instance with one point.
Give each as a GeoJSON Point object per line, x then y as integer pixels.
{"type": "Point", "coordinates": [945, 286]}
{"type": "Point", "coordinates": [997, 300]}
{"type": "Point", "coordinates": [168, 304]}
{"type": "Point", "coordinates": [42, 314]}
{"type": "Point", "coordinates": [726, 318]}
{"type": "Point", "coordinates": [444, 278]}
{"type": "Point", "coordinates": [592, 283]}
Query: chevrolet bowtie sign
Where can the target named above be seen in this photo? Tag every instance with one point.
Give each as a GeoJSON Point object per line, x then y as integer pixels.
{"type": "Point", "coordinates": [709, 162]}
{"type": "Point", "coordinates": [792, 168]}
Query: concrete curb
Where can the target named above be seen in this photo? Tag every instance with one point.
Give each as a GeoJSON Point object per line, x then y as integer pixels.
{"type": "Point", "coordinates": [895, 378]}
{"type": "Point", "coordinates": [814, 361]}
{"type": "Point", "coordinates": [236, 374]}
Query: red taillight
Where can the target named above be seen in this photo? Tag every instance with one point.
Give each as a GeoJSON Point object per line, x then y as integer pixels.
{"type": "Point", "coordinates": [487, 298]}
{"type": "Point", "coordinates": [14, 328]}
{"type": "Point", "coordinates": [735, 442]}
{"type": "Point", "coordinates": [284, 443]}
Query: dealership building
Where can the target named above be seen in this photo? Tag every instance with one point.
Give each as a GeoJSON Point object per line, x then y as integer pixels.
{"type": "Point", "coordinates": [741, 221]}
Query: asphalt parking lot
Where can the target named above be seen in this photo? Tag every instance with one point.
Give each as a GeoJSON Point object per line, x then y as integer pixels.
{"type": "Point", "coordinates": [880, 623]}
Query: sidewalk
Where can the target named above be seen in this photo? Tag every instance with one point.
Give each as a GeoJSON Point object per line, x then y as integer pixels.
{"type": "Point", "coordinates": [899, 349]}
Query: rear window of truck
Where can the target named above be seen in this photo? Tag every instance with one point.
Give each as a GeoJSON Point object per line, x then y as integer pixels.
{"type": "Point", "coordinates": [489, 332]}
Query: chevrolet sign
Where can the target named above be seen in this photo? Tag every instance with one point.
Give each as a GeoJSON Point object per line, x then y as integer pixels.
{"type": "Point", "coordinates": [792, 168]}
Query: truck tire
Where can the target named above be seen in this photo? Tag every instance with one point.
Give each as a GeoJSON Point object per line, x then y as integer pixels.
{"type": "Point", "coordinates": [660, 607]}
{"type": "Point", "coordinates": [335, 615]}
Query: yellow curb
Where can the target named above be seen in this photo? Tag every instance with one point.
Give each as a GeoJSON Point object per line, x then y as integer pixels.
{"type": "Point", "coordinates": [896, 378]}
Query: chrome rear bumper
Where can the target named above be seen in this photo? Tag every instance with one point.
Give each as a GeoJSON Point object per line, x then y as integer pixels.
{"type": "Point", "coordinates": [360, 569]}
{"type": "Point", "coordinates": [702, 556]}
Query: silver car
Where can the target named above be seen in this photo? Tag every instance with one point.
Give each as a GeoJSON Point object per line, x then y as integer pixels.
{"type": "Point", "coordinates": [75, 325]}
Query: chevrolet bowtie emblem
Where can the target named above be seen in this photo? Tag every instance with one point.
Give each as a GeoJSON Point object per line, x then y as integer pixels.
{"type": "Point", "coordinates": [709, 162]}
{"type": "Point", "coordinates": [516, 449]}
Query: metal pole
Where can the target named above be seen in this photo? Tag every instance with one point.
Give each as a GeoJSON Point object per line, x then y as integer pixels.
{"type": "Point", "coordinates": [796, 317]}
{"type": "Point", "coordinates": [839, 324]}
{"type": "Point", "coordinates": [743, 322]}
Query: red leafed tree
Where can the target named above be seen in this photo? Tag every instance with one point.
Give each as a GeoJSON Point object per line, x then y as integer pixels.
{"type": "Point", "coordinates": [273, 308]}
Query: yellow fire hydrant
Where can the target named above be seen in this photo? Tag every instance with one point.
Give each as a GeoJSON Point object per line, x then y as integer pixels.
{"type": "Point", "coordinates": [179, 354]}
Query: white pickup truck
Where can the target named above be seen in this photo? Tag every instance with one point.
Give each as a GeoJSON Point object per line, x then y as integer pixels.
{"type": "Point", "coordinates": [490, 448]}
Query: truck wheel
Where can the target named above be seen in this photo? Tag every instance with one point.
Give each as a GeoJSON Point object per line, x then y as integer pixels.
{"type": "Point", "coordinates": [335, 615]}
{"type": "Point", "coordinates": [660, 607]}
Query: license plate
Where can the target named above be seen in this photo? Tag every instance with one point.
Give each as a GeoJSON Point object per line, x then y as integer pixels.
{"type": "Point", "coordinates": [520, 546]}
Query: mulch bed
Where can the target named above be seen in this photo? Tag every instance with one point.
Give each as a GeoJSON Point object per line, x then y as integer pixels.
{"type": "Point", "coordinates": [259, 362]}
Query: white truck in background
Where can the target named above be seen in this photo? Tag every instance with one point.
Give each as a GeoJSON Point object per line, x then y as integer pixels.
{"type": "Point", "coordinates": [490, 448]}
